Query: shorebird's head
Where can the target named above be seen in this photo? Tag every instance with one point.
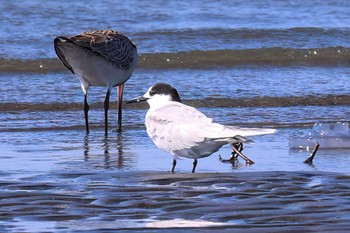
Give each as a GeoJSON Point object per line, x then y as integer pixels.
{"type": "Point", "coordinates": [158, 94]}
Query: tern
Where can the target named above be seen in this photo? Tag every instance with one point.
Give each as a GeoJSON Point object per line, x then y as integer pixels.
{"type": "Point", "coordinates": [184, 131]}
{"type": "Point", "coordinates": [99, 58]}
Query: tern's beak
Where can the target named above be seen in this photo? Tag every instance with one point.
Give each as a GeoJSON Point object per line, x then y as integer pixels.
{"type": "Point", "coordinates": [137, 100]}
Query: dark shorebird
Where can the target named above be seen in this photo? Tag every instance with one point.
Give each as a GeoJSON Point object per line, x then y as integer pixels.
{"type": "Point", "coordinates": [99, 58]}
{"type": "Point", "coordinates": [183, 131]}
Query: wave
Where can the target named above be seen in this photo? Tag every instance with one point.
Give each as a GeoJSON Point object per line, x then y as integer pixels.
{"type": "Point", "coordinates": [266, 101]}
{"type": "Point", "coordinates": [199, 59]}
{"type": "Point", "coordinates": [298, 36]}
{"type": "Point", "coordinates": [245, 31]}
{"type": "Point", "coordinates": [172, 40]}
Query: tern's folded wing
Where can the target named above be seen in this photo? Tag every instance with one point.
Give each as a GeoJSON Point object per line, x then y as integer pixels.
{"type": "Point", "coordinates": [177, 126]}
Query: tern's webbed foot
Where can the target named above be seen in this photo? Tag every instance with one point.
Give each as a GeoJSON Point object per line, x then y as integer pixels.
{"type": "Point", "coordinates": [233, 158]}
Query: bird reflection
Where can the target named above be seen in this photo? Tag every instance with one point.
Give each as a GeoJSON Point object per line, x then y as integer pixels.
{"type": "Point", "coordinates": [120, 161]}
{"type": "Point", "coordinates": [86, 147]}
{"type": "Point", "coordinates": [105, 147]}
{"type": "Point", "coordinates": [108, 143]}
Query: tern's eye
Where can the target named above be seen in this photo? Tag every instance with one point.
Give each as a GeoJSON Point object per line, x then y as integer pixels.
{"type": "Point", "coordinates": [152, 92]}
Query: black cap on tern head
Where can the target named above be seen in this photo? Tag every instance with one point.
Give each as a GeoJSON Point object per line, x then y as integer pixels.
{"type": "Point", "coordinates": [161, 89]}
{"type": "Point", "coordinates": [165, 89]}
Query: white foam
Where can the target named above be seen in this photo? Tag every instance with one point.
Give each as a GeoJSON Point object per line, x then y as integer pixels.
{"type": "Point", "coordinates": [328, 135]}
{"type": "Point", "coordinates": [179, 222]}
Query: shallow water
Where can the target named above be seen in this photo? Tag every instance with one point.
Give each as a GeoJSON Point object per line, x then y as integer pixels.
{"type": "Point", "coordinates": [132, 150]}
{"type": "Point", "coordinates": [62, 180]}
{"type": "Point", "coordinates": [276, 64]}
{"type": "Point", "coordinates": [199, 25]}
{"type": "Point", "coordinates": [239, 82]}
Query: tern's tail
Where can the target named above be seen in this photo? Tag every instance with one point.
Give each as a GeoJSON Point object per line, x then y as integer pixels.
{"type": "Point", "coordinates": [251, 131]}
{"type": "Point", "coordinates": [239, 134]}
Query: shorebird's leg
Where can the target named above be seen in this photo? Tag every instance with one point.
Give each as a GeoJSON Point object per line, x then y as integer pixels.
{"type": "Point", "coordinates": [106, 107]}
{"type": "Point", "coordinates": [174, 165]}
{"type": "Point", "coordinates": [194, 165]}
{"type": "Point", "coordinates": [86, 113]}
{"type": "Point", "coordinates": [120, 100]}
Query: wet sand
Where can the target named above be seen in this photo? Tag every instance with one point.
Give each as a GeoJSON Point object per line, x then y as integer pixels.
{"type": "Point", "coordinates": [65, 181]}
{"type": "Point", "coordinates": [162, 202]}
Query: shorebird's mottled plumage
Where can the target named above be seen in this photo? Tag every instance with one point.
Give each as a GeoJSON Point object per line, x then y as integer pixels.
{"type": "Point", "coordinates": [112, 45]}
{"type": "Point", "coordinates": [99, 58]}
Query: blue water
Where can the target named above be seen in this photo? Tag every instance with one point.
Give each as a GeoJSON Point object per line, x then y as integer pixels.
{"type": "Point", "coordinates": [309, 85]}
{"type": "Point", "coordinates": [244, 82]}
{"type": "Point", "coordinates": [28, 27]}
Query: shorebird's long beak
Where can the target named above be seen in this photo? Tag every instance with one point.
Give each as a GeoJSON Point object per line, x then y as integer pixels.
{"type": "Point", "coordinates": [136, 100]}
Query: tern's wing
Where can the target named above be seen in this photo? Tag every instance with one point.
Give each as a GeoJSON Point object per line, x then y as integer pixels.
{"type": "Point", "coordinates": [177, 126]}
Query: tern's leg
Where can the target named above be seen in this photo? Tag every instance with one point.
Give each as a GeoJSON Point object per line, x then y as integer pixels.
{"type": "Point", "coordinates": [174, 165]}
{"type": "Point", "coordinates": [247, 160]}
{"type": "Point", "coordinates": [234, 155]}
{"type": "Point", "coordinates": [239, 146]}
{"type": "Point", "coordinates": [106, 107]}
{"type": "Point", "coordinates": [120, 100]}
{"type": "Point", "coordinates": [194, 165]}
{"type": "Point", "coordinates": [86, 113]}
